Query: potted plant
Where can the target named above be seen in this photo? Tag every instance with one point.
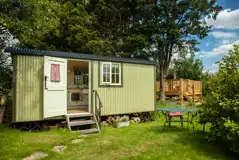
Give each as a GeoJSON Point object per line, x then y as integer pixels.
{"type": "Point", "coordinates": [122, 122]}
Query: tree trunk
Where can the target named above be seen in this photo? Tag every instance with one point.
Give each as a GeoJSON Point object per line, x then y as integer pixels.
{"type": "Point", "coordinates": [162, 80]}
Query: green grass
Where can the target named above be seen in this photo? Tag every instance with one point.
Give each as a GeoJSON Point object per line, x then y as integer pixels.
{"type": "Point", "coordinates": [139, 141]}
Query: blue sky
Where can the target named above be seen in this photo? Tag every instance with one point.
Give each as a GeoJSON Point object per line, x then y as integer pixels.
{"type": "Point", "coordinates": [225, 33]}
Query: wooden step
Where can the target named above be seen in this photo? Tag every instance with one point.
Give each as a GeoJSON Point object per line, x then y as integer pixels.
{"type": "Point", "coordinates": [89, 131]}
{"type": "Point", "coordinates": [79, 115]}
{"type": "Point", "coordinates": [81, 122]}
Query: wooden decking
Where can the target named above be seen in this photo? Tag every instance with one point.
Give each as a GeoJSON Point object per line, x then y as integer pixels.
{"type": "Point", "coordinates": [190, 90]}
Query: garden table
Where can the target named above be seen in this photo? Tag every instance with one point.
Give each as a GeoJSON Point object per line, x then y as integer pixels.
{"type": "Point", "coordinates": [192, 112]}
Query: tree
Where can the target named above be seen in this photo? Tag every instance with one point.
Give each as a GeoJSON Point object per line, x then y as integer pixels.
{"type": "Point", "coordinates": [99, 26]}
{"type": "Point", "coordinates": [188, 68]}
{"type": "Point", "coordinates": [209, 81]}
{"type": "Point", "coordinates": [119, 24]}
{"type": "Point", "coordinates": [28, 20]}
{"type": "Point", "coordinates": [139, 29]}
{"type": "Point", "coordinates": [45, 24]}
{"type": "Point", "coordinates": [176, 25]}
{"type": "Point", "coordinates": [221, 106]}
{"type": "Point", "coordinates": [5, 63]}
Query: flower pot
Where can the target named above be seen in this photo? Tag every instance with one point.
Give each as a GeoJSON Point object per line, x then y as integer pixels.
{"type": "Point", "coordinates": [122, 124]}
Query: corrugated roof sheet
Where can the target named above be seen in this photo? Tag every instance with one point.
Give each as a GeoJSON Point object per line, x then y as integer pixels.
{"type": "Point", "coordinates": [34, 52]}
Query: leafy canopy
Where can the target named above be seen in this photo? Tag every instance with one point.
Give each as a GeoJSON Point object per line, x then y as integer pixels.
{"type": "Point", "coordinates": [188, 68]}
{"type": "Point", "coordinates": [175, 25]}
{"type": "Point", "coordinates": [45, 24]}
{"type": "Point", "coordinates": [5, 63]}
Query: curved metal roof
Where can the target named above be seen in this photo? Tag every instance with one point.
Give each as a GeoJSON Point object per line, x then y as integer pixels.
{"type": "Point", "coordinates": [34, 52]}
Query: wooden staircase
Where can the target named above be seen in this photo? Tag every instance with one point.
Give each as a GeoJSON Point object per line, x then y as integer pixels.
{"type": "Point", "coordinates": [85, 123]}
{"type": "Point", "coordinates": [190, 97]}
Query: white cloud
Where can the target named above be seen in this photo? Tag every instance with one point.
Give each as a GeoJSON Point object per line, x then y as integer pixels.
{"type": "Point", "coordinates": [227, 18]}
{"type": "Point", "coordinates": [219, 34]}
{"type": "Point", "coordinates": [213, 68]}
{"type": "Point", "coordinates": [218, 51]}
{"type": "Point", "coordinates": [225, 41]}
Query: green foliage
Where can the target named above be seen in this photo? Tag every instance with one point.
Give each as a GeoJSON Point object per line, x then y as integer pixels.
{"type": "Point", "coordinates": [5, 63]}
{"type": "Point", "coordinates": [209, 81]}
{"type": "Point", "coordinates": [45, 24]}
{"type": "Point", "coordinates": [221, 106]}
{"type": "Point", "coordinates": [99, 26]}
{"type": "Point", "coordinates": [188, 68]}
{"type": "Point", "coordinates": [28, 20]}
{"type": "Point", "coordinates": [118, 23]}
{"type": "Point", "coordinates": [176, 26]}
{"type": "Point", "coordinates": [122, 28]}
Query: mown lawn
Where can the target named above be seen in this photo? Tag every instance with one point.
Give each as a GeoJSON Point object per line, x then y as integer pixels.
{"type": "Point", "coordinates": [139, 141]}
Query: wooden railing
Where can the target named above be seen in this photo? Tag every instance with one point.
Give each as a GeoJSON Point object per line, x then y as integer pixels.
{"type": "Point", "coordinates": [171, 85]}
{"type": "Point", "coordinates": [98, 105]}
{"type": "Point", "coordinates": [181, 87]}
{"type": "Point", "coordinates": [188, 89]}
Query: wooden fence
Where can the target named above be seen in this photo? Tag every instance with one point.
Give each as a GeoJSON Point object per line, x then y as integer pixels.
{"type": "Point", "coordinates": [189, 89]}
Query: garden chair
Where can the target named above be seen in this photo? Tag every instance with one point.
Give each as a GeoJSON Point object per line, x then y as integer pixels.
{"type": "Point", "coordinates": [172, 115]}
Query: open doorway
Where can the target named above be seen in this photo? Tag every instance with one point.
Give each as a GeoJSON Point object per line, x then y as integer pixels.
{"type": "Point", "coordinates": [77, 87]}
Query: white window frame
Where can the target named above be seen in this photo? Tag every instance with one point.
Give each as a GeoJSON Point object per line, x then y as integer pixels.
{"type": "Point", "coordinates": [102, 73]}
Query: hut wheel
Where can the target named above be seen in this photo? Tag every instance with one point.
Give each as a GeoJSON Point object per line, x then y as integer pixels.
{"type": "Point", "coordinates": [30, 127]}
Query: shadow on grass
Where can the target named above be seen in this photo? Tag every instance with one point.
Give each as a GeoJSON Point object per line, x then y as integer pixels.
{"type": "Point", "coordinates": [197, 140]}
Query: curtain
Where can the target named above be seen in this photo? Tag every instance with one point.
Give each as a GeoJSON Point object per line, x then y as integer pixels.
{"type": "Point", "coordinates": [55, 72]}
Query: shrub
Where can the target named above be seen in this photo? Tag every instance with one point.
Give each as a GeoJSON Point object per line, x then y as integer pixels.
{"type": "Point", "coordinates": [221, 106]}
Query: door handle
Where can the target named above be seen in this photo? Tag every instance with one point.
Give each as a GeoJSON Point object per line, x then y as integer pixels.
{"type": "Point", "coordinates": [46, 81]}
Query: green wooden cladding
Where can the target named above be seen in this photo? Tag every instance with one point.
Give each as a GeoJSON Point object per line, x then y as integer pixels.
{"type": "Point", "coordinates": [28, 88]}
{"type": "Point", "coordinates": [136, 95]}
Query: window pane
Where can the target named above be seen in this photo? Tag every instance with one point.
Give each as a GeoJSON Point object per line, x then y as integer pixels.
{"type": "Point", "coordinates": [104, 77]}
{"type": "Point", "coordinates": [108, 78]}
{"type": "Point", "coordinates": [117, 68]}
{"type": "Point", "coordinates": [104, 68]}
{"type": "Point", "coordinates": [108, 68]}
{"type": "Point", "coordinates": [106, 73]}
{"type": "Point", "coordinates": [113, 68]}
{"type": "Point", "coordinates": [113, 78]}
{"type": "Point", "coordinates": [117, 79]}
{"type": "Point", "coordinates": [55, 72]}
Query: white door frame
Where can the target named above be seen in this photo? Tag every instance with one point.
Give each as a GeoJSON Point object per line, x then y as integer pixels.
{"type": "Point", "coordinates": [54, 92]}
{"type": "Point", "coordinates": [89, 83]}
{"type": "Point", "coordinates": [89, 86]}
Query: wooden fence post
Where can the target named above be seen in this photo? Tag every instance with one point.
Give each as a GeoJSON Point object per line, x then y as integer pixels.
{"type": "Point", "coordinates": [193, 93]}
{"type": "Point", "coordinates": [181, 91]}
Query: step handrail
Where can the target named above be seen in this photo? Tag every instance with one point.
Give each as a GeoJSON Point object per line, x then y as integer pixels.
{"type": "Point", "coordinates": [187, 83]}
{"type": "Point", "coordinates": [192, 87]}
{"type": "Point", "coordinates": [98, 108]}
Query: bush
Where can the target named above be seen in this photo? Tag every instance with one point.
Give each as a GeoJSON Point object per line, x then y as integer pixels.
{"type": "Point", "coordinates": [221, 106]}
{"type": "Point", "coordinates": [8, 111]}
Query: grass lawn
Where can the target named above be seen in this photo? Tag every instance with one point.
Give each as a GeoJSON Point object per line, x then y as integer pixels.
{"type": "Point", "coordinates": [139, 141]}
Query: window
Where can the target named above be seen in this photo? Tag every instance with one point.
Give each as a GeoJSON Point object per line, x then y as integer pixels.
{"type": "Point", "coordinates": [80, 78]}
{"type": "Point", "coordinates": [55, 72]}
{"type": "Point", "coordinates": [110, 73]}
{"type": "Point", "coordinates": [77, 78]}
